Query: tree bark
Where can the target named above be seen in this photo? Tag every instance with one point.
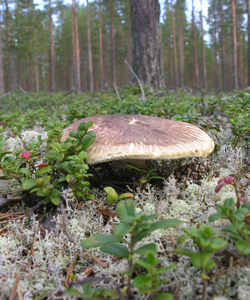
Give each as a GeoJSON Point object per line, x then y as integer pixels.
{"type": "Point", "coordinates": [203, 51]}
{"type": "Point", "coordinates": [174, 44]}
{"type": "Point", "coordinates": [76, 44]}
{"type": "Point", "coordinates": [9, 54]}
{"type": "Point", "coordinates": [223, 51]}
{"type": "Point", "coordinates": [112, 42]}
{"type": "Point", "coordinates": [196, 65]}
{"type": "Point", "coordinates": [52, 52]}
{"type": "Point", "coordinates": [35, 50]}
{"type": "Point", "coordinates": [248, 35]}
{"type": "Point", "coordinates": [234, 46]}
{"type": "Point", "coordinates": [147, 43]}
{"type": "Point", "coordinates": [1, 59]}
{"type": "Point", "coordinates": [181, 48]}
{"type": "Point", "coordinates": [91, 82]}
{"type": "Point", "coordinates": [100, 43]}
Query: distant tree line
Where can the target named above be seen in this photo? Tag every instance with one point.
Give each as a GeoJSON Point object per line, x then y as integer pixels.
{"type": "Point", "coordinates": [84, 47]}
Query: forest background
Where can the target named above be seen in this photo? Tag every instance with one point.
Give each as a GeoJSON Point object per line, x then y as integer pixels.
{"type": "Point", "coordinates": [58, 46]}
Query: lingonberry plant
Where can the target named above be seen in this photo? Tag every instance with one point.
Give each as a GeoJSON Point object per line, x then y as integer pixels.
{"type": "Point", "coordinates": [138, 226]}
{"type": "Point", "coordinates": [65, 164]}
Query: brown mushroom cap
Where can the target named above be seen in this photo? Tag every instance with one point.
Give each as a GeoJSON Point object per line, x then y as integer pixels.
{"type": "Point", "coordinates": [142, 137]}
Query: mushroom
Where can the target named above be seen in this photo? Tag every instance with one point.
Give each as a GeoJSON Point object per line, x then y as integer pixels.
{"type": "Point", "coordinates": [140, 138]}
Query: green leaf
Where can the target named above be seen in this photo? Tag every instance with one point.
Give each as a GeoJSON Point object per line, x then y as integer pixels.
{"type": "Point", "coordinates": [150, 217]}
{"type": "Point", "coordinates": [182, 239]}
{"type": "Point", "coordinates": [99, 240]}
{"type": "Point", "coordinates": [166, 224]}
{"type": "Point", "coordinates": [126, 209]}
{"type": "Point", "coordinates": [204, 276]}
{"type": "Point", "coordinates": [229, 204]}
{"type": "Point", "coordinates": [43, 170]}
{"type": "Point", "coordinates": [126, 195]}
{"type": "Point", "coordinates": [184, 251]}
{"type": "Point", "coordinates": [143, 180]}
{"type": "Point", "coordinates": [111, 192]}
{"type": "Point", "coordinates": [246, 205]}
{"type": "Point", "coordinates": [243, 247]}
{"type": "Point", "coordinates": [121, 229]}
{"type": "Point", "coordinates": [217, 216]}
{"type": "Point", "coordinates": [200, 260]}
{"type": "Point", "coordinates": [28, 184]}
{"type": "Point", "coordinates": [57, 147]}
{"type": "Point", "coordinates": [82, 155]}
{"type": "Point", "coordinates": [141, 280]}
{"type": "Point", "coordinates": [82, 127]}
{"type": "Point", "coordinates": [55, 201]}
{"type": "Point", "coordinates": [151, 259]}
{"type": "Point", "coordinates": [87, 141]}
{"type": "Point", "coordinates": [75, 135]}
{"type": "Point", "coordinates": [25, 171]}
{"type": "Point", "coordinates": [164, 296]}
{"type": "Point", "coordinates": [116, 249]}
{"type": "Point", "coordinates": [210, 264]}
{"type": "Point", "coordinates": [55, 193]}
{"type": "Point", "coordinates": [73, 291]}
{"type": "Point", "coordinates": [133, 166]}
{"type": "Point", "coordinates": [144, 249]}
{"type": "Point", "coordinates": [230, 228]}
{"type": "Point", "coordinates": [218, 244]}
{"type": "Point", "coordinates": [89, 196]}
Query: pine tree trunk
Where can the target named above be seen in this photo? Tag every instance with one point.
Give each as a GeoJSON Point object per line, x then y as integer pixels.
{"type": "Point", "coordinates": [100, 43]}
{"type": "Point", "coordinates": [91, 82]}
{"type": "Point", "coordinates": [35, 49]}
{"type": "Point", "coordinates": [181, 49]}
{"type": "Point", "coordinates": [196, 65]}
{"type": "Point", "coordinates": [76, 43]}
{"type": "Point", "coordinates": [223, 52]}
{"type": "Point", "coordinates": [147, 43]}
{"type": "Point", "coordinates": [52, 52]}
{"type": "Point", "coordinates": [234, 46]}
{"type": "Point", "coordinates": [203, 51]}
{"type": "Point", "coordinates": [217, 82]}
{"type": "Point", "coordinates": [9, 55]}
{"type": "Point", "coordinates": [240, 57]}
{"type": "Point", "coordinates": [112, 42]}
{"type": "Point", "coordinates": [1, 59]}
{"type": "Point", "coordinates": [74, 79]}
{"type": "Point", "coordinates": [248, 37]}
{"type": "Point", "coordinates": [174, 44]}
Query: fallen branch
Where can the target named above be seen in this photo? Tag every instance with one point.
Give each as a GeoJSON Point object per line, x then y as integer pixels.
{"type": "Point", "coordinates": [117, 93]}
{"type": "Point", "coordinates": [71, 91]}
{"type": "Point", "coordinates": [21, 89]}
{"type": "Point", "coordinates": [5, 95]}
{"type": "Point", "coordinates": [65, 222]}
{"type": "Point", "coordinates": [142, 91]}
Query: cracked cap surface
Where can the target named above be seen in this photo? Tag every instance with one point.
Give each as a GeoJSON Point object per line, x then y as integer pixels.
{"type": "Point", "coordinates": [142, 137]}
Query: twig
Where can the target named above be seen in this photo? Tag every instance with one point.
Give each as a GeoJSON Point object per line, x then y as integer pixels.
{"type": "Point", "coordinates": [19, 293]}
{"type": "Point", "coordinates": [32, 266]}
{"type": "Point", "coordinates": [31, 212]}
{"type": "Point", "coordinates": [64, 222]}
{"type": "Point", "coordinates": [177, 292]}
{"type": "Point", "coordinates": [5, 95]}
{"type": "Point", "coordinates": [226, 270]}
{"type": "Point", "coordinates": [104, 265]}
{"type": "Point", "coordinates": [15, 287]}
{"type": "Point", "coordinates": [142, 91]}
{"type": "Point", "coordinates": [117, 93]}
{"type": "Point", "coordinates": [21, 89]}
{"type": "Point", "coordinates": [228, 273]}
{"type": "Point", "coordinates": [71, 91]}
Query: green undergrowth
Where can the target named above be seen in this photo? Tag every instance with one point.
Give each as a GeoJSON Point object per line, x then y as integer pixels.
{"type": "Point", "coordinates": [159, 243]}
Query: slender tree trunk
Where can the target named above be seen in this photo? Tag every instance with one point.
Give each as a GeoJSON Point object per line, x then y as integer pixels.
{"type": "Point", "coordinates": [1, 59]}
{"type": "Point", "coordinates": [91, 81]}
{"type": "Point", "coordinates": [100, 43]}
{"type": "Point", "coordinates": [196, 65]}
{"type": "Point", "coordinates": [174, 44]}
{"type": "Point", "coordinates": [35, 49]}
{"type": "Point", "coordinates": [74, 79]}
{"type": "Point", "coordinates": [9, 54]}
{"type": "Point", "coordinates": [248, 38]}
{"type": "Point", "coordinates": [203, 51]}
{"type": "Point", "coordinates": [234, 46]}
{"type": "Point", "coordinates": [217, 82]}
{"type": "Point", "coordinates": [52, 52]}
{"type": "Point", "coordinates": [181, 48]}
{"type": "Point", "coordinates": [77, 58]}
{"type": "Point", "coordinates": [112, 41]}
{"type": "Point", "coordinates": [147, 43]}
{"type": "Point", "coordinates": [240, 57]}
{"type": "Point", "coordinates": [223, 51]}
